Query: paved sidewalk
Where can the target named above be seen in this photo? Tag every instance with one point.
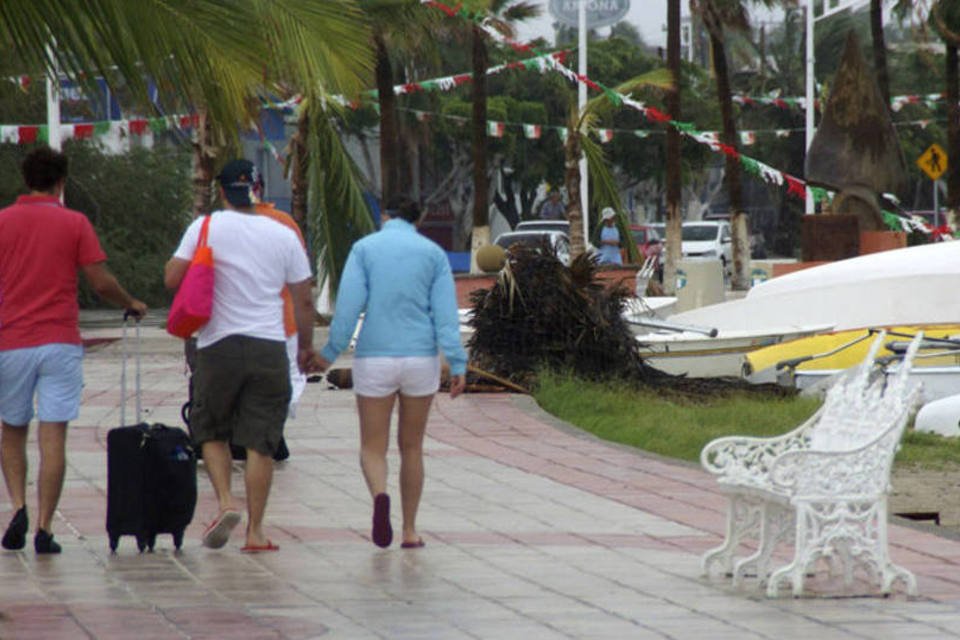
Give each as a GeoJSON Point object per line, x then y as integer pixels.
{"type": "Point", "coordinates": [533, 531]}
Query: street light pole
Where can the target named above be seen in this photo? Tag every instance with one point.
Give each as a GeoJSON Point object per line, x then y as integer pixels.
{"type": "Point", "coordinates": [54, 138]}
{"type": "Point", "coordinates": [581, 104]}
{"type": "Point", "coordinates": [809, 208]}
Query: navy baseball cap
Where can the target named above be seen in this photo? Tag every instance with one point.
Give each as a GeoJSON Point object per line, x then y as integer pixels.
{"type": "Point", "coordinates": [238, 178]}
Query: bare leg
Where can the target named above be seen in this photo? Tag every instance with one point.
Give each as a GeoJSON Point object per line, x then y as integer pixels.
{"type": "Point", "coordinates": [217, 459]}
{"type": "Point", "coordinates": [13, 457]}
{"type": "Point", "coordinates": [258, 477]}
{"type": "Point", "coordinates": [413, 424]}
{"type": "Point", "coordinates": [374, 439]}
{"type": "Point", "coordinates": [53, 461]}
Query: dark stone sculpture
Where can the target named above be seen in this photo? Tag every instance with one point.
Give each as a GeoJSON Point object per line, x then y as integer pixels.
{"type": "Point", "coordinates": [855, 151]}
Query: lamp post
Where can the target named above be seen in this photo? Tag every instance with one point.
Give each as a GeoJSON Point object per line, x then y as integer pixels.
{"type": "Point", "coordinates": [54, 138]}
{"type": "Point", "coordinates": [581, 104]}
{"type": "Point", "coordinates": [830, 7]}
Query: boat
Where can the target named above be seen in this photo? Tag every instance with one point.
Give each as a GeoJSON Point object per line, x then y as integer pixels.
{"type": "Point", "coordinates": [808, 363]}
{"type": "Point", "coordinates": [893, 288]}
{"type": "Point", "coordinates": [706, 352]}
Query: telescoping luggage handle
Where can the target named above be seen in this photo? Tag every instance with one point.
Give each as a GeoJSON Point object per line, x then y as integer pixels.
{"type": "Point", "coordinates": [123, 371]}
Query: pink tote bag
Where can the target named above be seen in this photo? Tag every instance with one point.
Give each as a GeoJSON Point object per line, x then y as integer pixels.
{"type": "Point", "coordinates": [193, 302]}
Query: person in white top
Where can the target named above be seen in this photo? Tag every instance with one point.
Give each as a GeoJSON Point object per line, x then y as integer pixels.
{"type": "Point", "coordinates": [241, 386]}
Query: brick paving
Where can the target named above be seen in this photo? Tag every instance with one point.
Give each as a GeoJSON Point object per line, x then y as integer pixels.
{"type": "Point", "coordinates": [533, 530]}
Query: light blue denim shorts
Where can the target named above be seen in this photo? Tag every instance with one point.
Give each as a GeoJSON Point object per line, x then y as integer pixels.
{"type": "Point", "coordinates": [51, 373]}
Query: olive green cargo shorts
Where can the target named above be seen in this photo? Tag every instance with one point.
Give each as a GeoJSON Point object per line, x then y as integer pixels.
{"type": "Point", "coordinates": [240, 393]}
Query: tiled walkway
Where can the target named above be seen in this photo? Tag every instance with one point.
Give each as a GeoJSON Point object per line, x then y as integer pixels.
{"type": "Point", "coordinates": [533, 531]}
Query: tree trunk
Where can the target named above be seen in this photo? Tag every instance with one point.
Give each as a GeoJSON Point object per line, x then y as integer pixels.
{"type": "Point", "coordinates": [481, 196]}
{"type": "Point", "coordinates": [672, 241]}
{"type": "Point", "coordinates": [879, 49]}
{"type": "Point", "coordinates": [203, 158]}
{"type": "Point", "coordinates": [738, 218]}
{"type": "Point", "coordinates": [571, 179]}
{"type": "Point", "coordinates": [953, 134]}
{"type": "Point", "coordinates": [388, 121]}
{"type": "Point", "coordinates": [299, 186]}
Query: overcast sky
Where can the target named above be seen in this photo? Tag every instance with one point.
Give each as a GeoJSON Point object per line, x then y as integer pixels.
{"type": "Point", "coordinates": [649, 16]}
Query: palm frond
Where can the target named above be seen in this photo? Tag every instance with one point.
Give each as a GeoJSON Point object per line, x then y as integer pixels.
{"type": "Point", "coordinates": [337, 211]}
{"type": "Point", "coordinates": [604, 193]}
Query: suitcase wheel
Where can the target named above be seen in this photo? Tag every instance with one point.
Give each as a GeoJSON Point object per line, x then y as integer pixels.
{"type": "Point", "coordinates": [141, 544]}
{"type": "Point", "coordinates": [114, 541]}
{"type": "Point", "coordinates": [151, 542]}
{"type": "Point", "coordinates": [178, 540]}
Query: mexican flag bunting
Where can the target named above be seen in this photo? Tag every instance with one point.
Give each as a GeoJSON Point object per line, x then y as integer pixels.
{"type": "Point", "coordinates": [783, 133]}
{"type": "Point", "coordinates": [82, 131]}
{"type": "Point", "coordinates": [27, 134]}
{"type": "Point", "coordinates": [24, 83]}
{"type": "Point", "coordinates": [532, 131]}
{"type": "Point", "coordinates": [495, 129]}
{"type": "Point", "coordinates": [641, 133]}
{"type": "Point", "coordinates": [562, 131]}
{"type": "Point", "coordinates": [422, 116]}
{"type": "Point", "coordinates": [748, 138]}
{"type": "Point", "coordinates": [9, 134]}
{"type": "Point", "coordinates": [924, 123]}
{"type": "Point", "coordinates": [137, 126]}
{"type": "Point", "coordinates": [606, 135]}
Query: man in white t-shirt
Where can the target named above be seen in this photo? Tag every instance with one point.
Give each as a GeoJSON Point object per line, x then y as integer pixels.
{"type": "Point", "coordinates": [241, 385]}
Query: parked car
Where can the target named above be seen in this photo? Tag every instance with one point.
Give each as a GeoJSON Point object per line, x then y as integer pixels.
{"type": "Point", "coordinates": [544, 225]}
{"type": "Point", "coordinates": [557, 239]}
{"type": "Point", "coordinates": [708, 239]}
{"type": "Point", "coordinates": [649, 242]}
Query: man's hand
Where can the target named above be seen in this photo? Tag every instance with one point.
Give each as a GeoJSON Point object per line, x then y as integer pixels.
{"type": "Point", "coordinates": [457, 385]}
{"type": "Point", "coordinates": [309, 361]}
{"type": "Point", "coordinates": [137, 309]}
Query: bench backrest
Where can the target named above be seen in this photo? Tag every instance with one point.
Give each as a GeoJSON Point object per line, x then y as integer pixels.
{"type": "Point", "coordinates": [861, 405]}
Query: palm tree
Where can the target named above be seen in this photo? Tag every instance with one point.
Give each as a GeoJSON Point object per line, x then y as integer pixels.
{"type": "Point", "coordinates": [215, 56]}
{"type": "Point", "coordinates": [718, 16]}
{"type": "Point", "coordinates": [502, 15]}
{"type": "Point", "coordinates": [879, 49]}
{"type": "Point", "coordinates": [673, 244]}
{"type": "Point", "coordinates": [581, 124]}
{"type": "Point", "coordinates": [945, 16]}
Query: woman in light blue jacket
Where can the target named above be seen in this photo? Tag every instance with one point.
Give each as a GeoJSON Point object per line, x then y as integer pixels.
{"type": "Point", "coordinates": [402, 283]}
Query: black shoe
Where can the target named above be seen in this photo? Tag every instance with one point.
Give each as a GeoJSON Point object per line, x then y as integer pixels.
{"type": "Point", "coordinates": [16, 535]}
{"type": "Point", "coordinates": [43, 542]}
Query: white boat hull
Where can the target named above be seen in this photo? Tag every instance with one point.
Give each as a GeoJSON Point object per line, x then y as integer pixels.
{"type": "Point", "coordinates": [698, 356]}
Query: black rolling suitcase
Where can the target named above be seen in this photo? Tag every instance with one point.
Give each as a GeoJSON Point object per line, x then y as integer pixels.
{"type": "Point", "coordinates": [151, 474]}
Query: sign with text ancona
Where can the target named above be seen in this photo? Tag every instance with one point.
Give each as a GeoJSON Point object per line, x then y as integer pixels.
{"type": "Point", "coordinates": [600, 13]}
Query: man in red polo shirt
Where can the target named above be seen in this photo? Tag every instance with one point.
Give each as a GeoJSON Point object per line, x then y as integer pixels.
{"type": "Point", "coordinates": [42, 246]}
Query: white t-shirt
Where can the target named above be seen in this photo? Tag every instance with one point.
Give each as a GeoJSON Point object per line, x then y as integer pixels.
{"type": "Point", "coordinates": [253, 258]}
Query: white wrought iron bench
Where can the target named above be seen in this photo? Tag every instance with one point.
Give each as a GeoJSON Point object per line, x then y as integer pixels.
{"type": "Point", "coordinates": [827, 480]}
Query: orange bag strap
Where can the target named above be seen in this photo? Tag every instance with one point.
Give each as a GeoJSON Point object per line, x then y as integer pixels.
{"type": "Point", "coordinates": [202, 241]}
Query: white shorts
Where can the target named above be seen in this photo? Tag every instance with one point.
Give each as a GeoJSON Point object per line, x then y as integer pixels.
{"type": "Point", "coordinates": [411, 376]}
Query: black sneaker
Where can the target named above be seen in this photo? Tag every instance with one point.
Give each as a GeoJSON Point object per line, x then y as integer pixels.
{"type": "Point", "coordinates": [16, 535]}
{"type": "Point", "coordinates": [43, 542]}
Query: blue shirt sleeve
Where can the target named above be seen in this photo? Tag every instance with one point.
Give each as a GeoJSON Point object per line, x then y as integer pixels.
{"type": "Point", "coordinates": [351, 301]}
{"type": "Point", "coordinates": [446, 319]}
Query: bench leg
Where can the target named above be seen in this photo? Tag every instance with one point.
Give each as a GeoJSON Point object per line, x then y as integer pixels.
{"type": "Point", "coordinates": [743, 517]}
{"type": "Point", "coordinates": [775, 523]}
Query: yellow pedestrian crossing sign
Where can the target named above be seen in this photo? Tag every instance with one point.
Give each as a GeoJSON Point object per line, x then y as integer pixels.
{"type": "Point", "coordinates": [933, 161]}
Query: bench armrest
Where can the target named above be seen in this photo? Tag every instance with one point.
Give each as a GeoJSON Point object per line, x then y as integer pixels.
{"type": "Point", "coordinates": [742, 457]}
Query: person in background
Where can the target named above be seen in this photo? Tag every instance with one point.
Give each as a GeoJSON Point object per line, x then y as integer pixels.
{"type": "Point", "coordinates": [42, 246]}
{"type": "Point", "coordinates": [609, 238]}
{"type": "Point", "coordinates": [298, 380]}
{"type": "Point", "coordinates": [553, 208]}
{"type": "Point", "coordinates": [403, 284]}
{"type": "Point", "coordinates": [241, 386]}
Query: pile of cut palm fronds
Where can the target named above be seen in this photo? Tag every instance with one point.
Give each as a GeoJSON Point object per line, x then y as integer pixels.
{"type": "Point", "coordinates": [541, 313]}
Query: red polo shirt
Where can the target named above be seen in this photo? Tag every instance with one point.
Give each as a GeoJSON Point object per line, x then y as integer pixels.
{"type": "Point", "coordinates": [42, 244]}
